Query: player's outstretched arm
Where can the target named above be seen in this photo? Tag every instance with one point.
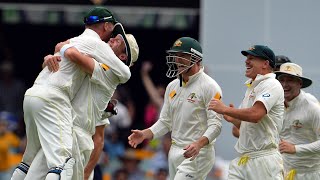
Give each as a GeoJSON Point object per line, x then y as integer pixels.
{"type": "Point", "coordinates": [98, 139]}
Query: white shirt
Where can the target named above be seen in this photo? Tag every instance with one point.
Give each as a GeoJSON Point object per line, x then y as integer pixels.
{"type": "Point", "coordinates": [69, 77]}
{"type": "Point", "coordinates": [311, 97]}
{"type": "Point", "coordinates": [302, 127]}
{"type": "Point", "coordinates": [264, 134]}
{"type": "Point", "coordinates": [96, 92]}
{"type": "Point", "coordinates": [185, 111]}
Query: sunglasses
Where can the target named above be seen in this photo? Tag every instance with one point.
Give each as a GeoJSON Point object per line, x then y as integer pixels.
{"type": "Point", "coordinates": [96, 19]}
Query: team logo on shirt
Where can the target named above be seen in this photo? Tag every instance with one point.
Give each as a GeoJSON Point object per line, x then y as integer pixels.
{"type": "Point", "coordinates": [192, 97]}
{"type": "Point", "coordinates": [297, 124]}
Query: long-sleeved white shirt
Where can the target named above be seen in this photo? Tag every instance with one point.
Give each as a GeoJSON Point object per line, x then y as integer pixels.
{"type": "Point", "coordinates": [185, 111]}
{"type": "Point", "coordinates": [302, 127]}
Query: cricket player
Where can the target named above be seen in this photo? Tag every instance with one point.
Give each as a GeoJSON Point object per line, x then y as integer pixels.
{"type": "Point", "coordinates": [281, 59]}
{"type": "Point", "coordinates": [260, 118]}
{"type": "Point", "coordinates": [300, 134]}
{"type": "Point", "coordinates": [47, 104]}
{"type": "Point", "coordinates": [91, 100]}
{"type": "Point", "coordinates": [185, 113]}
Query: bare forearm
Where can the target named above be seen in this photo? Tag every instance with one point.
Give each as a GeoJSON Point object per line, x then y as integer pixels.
{"type": "Point", "coordinates": [239, 115]}
{"type": "Point", "coordinates": [85, 62]}
{"type": "Point", "coordinates": [151, 90]}
{"type": "Point", "coordinates": [98, 139]}
{"type": "Point", "coordinates": [147, 134]}
{"type": "Point", "coordinates": [203, 141]}
{"type": "Point", "coordinates": [94, 158]}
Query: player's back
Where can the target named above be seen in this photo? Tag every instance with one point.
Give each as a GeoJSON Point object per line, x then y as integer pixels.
{"type": "Point", "coordinates": [69, 77]}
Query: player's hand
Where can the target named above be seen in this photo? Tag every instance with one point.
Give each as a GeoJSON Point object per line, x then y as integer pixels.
{"type": "Point", "coordinates": [60, 44]}
{"type": "Point", "coordinates": [229, 118]}
{"type": "Point", "coordinates": [52, 62]}
{"type": "Point", "coordinates": [111, 109]}
{"type": "Point", "coordinates": [146, 67]}
{"type": "Point", "coordinates": [135, 138]}
{"type": "Point", "coordinates": [191, 151]}
{"type": "Point", "coordinates": [286, 147]}
{"type": "Point", "coordinates": [217, 106]}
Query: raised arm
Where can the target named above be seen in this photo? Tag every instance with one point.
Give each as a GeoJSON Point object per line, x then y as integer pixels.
{"type": "Point", "coordinates": [152, 91]}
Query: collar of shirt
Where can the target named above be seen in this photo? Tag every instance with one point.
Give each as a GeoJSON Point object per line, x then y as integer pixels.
{"type": "Point", "coordinates": [193, 77]}
{"type": "Point", "coordinates": [90, 32]}
{"type": "Point", "coordinates": [295, 100]}
{"type": "Point", "coordinates": [259, 78]}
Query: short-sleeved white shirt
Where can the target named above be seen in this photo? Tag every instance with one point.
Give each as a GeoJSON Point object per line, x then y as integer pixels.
{"type": "Point", "coordinates": [264, 134]}
{"type": "Point", "coordinates": [302, 127]}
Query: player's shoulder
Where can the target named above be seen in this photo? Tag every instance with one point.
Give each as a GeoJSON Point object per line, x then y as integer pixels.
{"type": "Point", "coordinates": [207, 81]}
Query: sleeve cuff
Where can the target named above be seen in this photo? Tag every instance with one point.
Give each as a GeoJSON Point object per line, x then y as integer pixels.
{"type": "Point", "coordinates": [64, 48]}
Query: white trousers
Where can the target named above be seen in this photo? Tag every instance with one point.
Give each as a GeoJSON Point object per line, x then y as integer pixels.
{"type": "Point", "coordinates": [181, 168]}
{"type": "Point", "coordinates": [48, 126]}
{"type": "Point", "coordinates": [310, 173]}
{"type": "Point", "coordinates": [81, 151]}
{"type": "Point", "coordinates": [266, 165]}
{"type": "Point", "coordinates": [83, 146]}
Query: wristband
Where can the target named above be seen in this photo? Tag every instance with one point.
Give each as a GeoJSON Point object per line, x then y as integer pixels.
{"type": "Point", "coordinates": [64, 48]}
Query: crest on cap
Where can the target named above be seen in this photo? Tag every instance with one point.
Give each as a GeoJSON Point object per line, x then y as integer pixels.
{"type": "Point", "coordinates": [177, 43]}
{"type": "Point", "coordinates": [261, 51]}
{"type": "Point", "coordinates": [295, 70]}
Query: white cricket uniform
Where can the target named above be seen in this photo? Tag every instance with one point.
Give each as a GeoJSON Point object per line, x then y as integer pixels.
{"type": "Point", "coordinates": [310, 97]}
{"type": "Point", "coordinates": [185, 113]}
{"type": "Point", "coordinates": [258, 142]}
{"type": "Point", "coordinates": [96, 92]}
{"type": "Point", "coordinates": [47, 104]}
{"type": "Point", "coordinates": [302, 127]}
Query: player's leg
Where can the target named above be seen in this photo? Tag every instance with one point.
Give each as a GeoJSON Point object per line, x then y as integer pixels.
{"type": "Point", "coordinates": [33, 143]}
{"type": "Point", "coordinates": [81, 151]}
{"type": "Point", "coordinates": [38, 169]}
{"type": "Point", "coordinates": [236, 171]}
{"type": "Point", "coordinates": [54, 125]}
{"type": "Point", "coordinates": [64, 173]}
{"type": "Point", "coordinates": [271, 167]}
{"type": "Point", "coordinates": [175, 158]}
{"type": "Point", "coordinates": [197, 168]}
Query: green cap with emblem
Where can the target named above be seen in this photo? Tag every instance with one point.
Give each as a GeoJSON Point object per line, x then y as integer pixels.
{"type": "Point", "coordinates": [99, 14]}
{"type": "Point", "coordinates": [186, 45]}
{"type": "Point", "coordinates": [263, 52]}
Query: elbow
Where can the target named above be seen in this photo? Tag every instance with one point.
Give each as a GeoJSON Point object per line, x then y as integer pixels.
{"type": "Point", "coordinates": [99, 144]}
{"type": "Point", "coordinates": [255, 118]}
{"type": "Point", "coordinates": [125, 77]}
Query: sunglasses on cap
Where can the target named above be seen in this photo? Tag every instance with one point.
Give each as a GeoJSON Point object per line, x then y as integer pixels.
{"type": "Point", "coordinates": [97, 19]}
